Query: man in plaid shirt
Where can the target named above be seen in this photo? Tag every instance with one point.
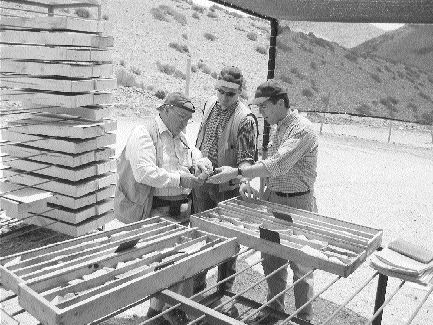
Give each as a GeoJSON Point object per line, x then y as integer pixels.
{"type": "Point", "coordinates": [291, 171]}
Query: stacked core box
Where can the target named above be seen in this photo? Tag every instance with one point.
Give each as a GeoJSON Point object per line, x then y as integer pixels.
{"type": "Point", "coordinates": [60, 68]}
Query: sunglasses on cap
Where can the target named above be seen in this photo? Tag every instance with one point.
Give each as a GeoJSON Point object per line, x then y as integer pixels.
{"type": "Point", "coordinates": [227, 93]}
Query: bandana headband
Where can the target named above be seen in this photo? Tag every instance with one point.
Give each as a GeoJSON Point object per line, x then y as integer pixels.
{"type": "Point", "coordinates": [227, 84]}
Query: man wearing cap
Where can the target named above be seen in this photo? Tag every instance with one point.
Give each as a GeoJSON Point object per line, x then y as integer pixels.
{"type": "Point", "coordinates": [154, 178]}
{"type": "Point", "coordinates": [227, 137]}
{"type": "Point", "coordinates": [291, 171]}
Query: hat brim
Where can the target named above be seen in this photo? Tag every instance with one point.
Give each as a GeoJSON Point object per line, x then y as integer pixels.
{"type": "Point", "coordinates": [258, 100]}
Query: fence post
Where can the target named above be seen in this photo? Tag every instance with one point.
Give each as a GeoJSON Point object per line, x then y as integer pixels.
{"type": "Point", "coordinates": [389, 131]}
{"type": "Point", "coordinates": [188, 75]}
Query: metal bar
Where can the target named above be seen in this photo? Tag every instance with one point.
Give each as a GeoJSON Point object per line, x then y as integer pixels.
{"type": "Point", "coordinates": [379, 311]}
{"type": "Point", "coordinates": [311, 300]}
{"type": "Point", "coordinates": [420, 305]}
{"type": "Point", "coordinates": [254, 312]}
{"type": "Point", "coordinates": [380, 296]}
{"type": "Point", "coordinates": [342, 305]}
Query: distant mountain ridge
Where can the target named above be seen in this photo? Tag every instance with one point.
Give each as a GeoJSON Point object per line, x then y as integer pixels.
{"type": "Point", "coordinates": [410, 44]}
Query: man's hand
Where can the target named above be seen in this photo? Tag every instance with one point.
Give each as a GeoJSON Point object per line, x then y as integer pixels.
{"type": "Point", "coordinates": [203, 165]}
{"type": "Point", "coordinates": [223, 175]}
{"type": "Point", "coordinates": [190, 181]}
{"type": "Point", "coordinates": [246, 191]}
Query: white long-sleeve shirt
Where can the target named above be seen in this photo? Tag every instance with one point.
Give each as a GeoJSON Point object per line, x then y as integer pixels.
{"type": "Point", "coordinates": [176, 159]}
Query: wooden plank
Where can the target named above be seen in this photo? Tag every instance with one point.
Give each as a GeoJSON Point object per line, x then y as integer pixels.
{"type": "Point", "coordinates": [6, 319]}
{"type": "Point", "coordinates": [56, 23]}
{"type": "Point", "coordinates": [72, 70]}
{"type": "Point", "coordinates": [72, 146]}
{"type": "Point", "coordinates": [93, 113]}
{"type": "Point", "coordinates": [19, 210]}
{"type": "Point", "coordinates": [58, 158]}
{"type": "Point", "coordinates": [69, 229]}
{"type": "Point", "coordinates": [22, 194]}
{"type": "Point", "coordinates": [26, 52]}
{"type": "Point", "coordinates": [59, 85]}
{"type": "Point", "coordinates": [286, 252]}
{"type": "Point", "coordinates": [70, 39]}
{"type": "Point", "coordinates": [74, 189]}
{"type": "Point", "coordinates": [128, 290]}
{"type": "Point", "coordinates": [75, 203]}
{"type": "Point", "coordinates": [62, 127]}
{"type": "Point", "coordinates": [71, 174]}
{"type": "Point", "coordinates": [77, 216]}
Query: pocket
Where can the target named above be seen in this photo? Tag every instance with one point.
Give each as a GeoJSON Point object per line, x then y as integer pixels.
{"type": "Point", "coordinates": [125, 210]}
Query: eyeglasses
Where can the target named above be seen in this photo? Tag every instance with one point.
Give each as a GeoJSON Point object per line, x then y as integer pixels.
{"type": "Point", "coordinates": [227, 93]}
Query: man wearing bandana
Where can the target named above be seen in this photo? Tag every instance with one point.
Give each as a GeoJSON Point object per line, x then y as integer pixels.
{"type": "Point", "coordinates": [227, 137]}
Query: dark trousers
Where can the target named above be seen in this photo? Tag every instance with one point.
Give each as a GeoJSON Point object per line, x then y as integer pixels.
{"type": "Point", "coordinates": [205, 198]}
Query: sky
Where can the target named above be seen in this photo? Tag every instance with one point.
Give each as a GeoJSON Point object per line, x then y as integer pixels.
{"type": "Point", "coordinates": [386, 27]}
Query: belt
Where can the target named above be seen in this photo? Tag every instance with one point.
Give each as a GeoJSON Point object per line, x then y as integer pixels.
{"type": "Point", "coordinates": [282, 194]}
{"type": "Point", "coordinates": [174, 205]}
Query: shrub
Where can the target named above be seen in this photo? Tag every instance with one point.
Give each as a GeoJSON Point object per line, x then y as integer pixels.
{"type": "Point", "coordinates": [307, 93]}
{"type": "Point", "coordinates": [297, 73]}
{"type": "Point", "coordinates": [212, 14]}
{"type": "Point", "coordinates": [430, 79]}
{"type": "Point", "coordinates": [165, 68]}
{"type": "Point", "coordinates": [198, 8]}
{"type": "Point", "coordinates": [389, 102]}
{"type": "Point", "coordinates": [105, 17]}
{"type": "Point", "coordinates": [136, 70]}
{"type": "Point", "coordinates": [351, 56]}
{"type": "Point", "coordinates": [306, 49]}
{"type": "Point", "coordinates": [313, 65]}
{"type": "Point", "coordinates": [194, 68]}
{"type": "Point", "coordinates": [283, 46]}
{"type": "Point", "coordinates": [184, 36]}
{"type": "Point", "coordinates": [375, 77]}
{"type": "Point", "coordinates": [159, 14]}
{"type": "Point", "coordinates": [195, 15]}
{"type": "Point", "coordinates": [261, 49]}
{"type": "Point", "coordinates": [314, 86]}
{"type": "Point", "coordinates": [363, 109]}
{"type": "Point", "coordinates": [426, 118]}
{"type": "Point", "coordinates": [378, 69]}
{"type": "Point", "coordinates": [235, 14]}
{"type": "Point", "coordinates": [122, 63]}
{"type": "Point", "coordinates": [83, 13]}
{"type": "Point", "coordinates": [179, 74]}
{"type": "Point", "coordinates": [412, 107]}
{"type": "Point", "coordinates": [125, 78]}
{"type": "Point", "coordinates": [252, 36]}
{"type": "Point", "coordinates": [424, 96]}
{"type": "Point", "coordinates": [214, 75]}
{"type": "Point", "coordinates": [387, 69]}
{"type": "Point", "coordinates": [160, 94]}
{"type": "Point", "coordinates": [203, 67]}
{"type": "Point", "coordinates": [182, 48]}
{"type": "Point", "coordinates": [320, 42]}
{"type": "Point", "coordinates": [286, 79]}
{"type": "Point", "coordinates": [209, 36]}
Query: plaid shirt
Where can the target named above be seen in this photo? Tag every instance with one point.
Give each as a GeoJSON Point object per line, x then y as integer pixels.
{"type": "Point", "coordinates": [215, 126]}
{"type": "Point", "coordinates": [292, 159]}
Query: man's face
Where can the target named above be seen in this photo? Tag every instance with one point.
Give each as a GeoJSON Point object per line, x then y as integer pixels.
{"type": "Point", "coordinates": [177, 119]}
{"type": "Point", "coordinates": [270, 111]}
{"type": "Point", "coordinates": [227, 96]}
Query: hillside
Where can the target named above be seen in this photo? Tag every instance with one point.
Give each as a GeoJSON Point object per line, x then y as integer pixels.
{"type": "Point", "coordinates": [410, 44]}
{"type": "Point", "coordinates": [153, 37]}
{"type": "Point", "coordinates": [347, 35]}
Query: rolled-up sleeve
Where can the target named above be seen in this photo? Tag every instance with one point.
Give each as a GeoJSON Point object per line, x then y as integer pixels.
{"type": "Point", "coordinates": [289, 153]}
{"type": "Point", "coordinates": [141, 153]}
{"type": "Point", "coordinates": [247, 141]}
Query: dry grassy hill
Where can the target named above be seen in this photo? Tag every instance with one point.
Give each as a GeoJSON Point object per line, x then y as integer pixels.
{"type": "Point", "coordinates": [410, 44]}
{"type": "Point", "coordinates": [153, 40]}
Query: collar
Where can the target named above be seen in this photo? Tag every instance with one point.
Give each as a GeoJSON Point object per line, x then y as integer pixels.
{"type": "Point", "coordinates": [289, 118]}
{"type": "Point", "coordinates": [231, 108]}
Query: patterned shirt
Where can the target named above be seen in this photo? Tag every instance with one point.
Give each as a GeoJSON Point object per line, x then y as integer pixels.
{"type": "Point", "coordinates": [292, 159]}
{"type": "Point", "coordinates": [215, 125]}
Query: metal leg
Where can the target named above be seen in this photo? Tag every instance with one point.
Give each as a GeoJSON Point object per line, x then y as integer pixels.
{"type": "Point", "coordinates": [382, 282]}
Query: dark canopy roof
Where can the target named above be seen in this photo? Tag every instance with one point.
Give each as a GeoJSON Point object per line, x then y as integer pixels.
{"type": "Point", "coordinates": [354, 11]}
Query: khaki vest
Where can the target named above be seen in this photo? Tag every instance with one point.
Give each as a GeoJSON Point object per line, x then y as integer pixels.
{"type": "Point", "coordinates": [227, 144]}
{"type": "Point", "coordinates": [133, 200]}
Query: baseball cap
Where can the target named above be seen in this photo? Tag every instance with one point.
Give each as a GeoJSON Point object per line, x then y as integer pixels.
{"type": "Point", "coordinates": [266, 90]}
{"type": "Point", "coordinates": [179, 100]}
